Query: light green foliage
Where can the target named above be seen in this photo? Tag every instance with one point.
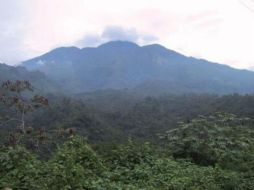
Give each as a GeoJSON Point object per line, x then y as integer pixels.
{"type": "Point", "coordinates": [217, 152]}
{"type": "Point", "coordinates": [223, 139]}
{"type": "Point", "coordinates": [204, 153]}
{"type": "Point", "coordinates": [131, 154]}
{"type": "Point", "coordinates": [19, 169]}
{"type": "Point", "coordinates": [75, 165]}
{"type": "Point", "coordinates": [146, 168]}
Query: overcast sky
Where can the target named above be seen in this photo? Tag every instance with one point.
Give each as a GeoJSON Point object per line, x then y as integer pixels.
{"type": "Point", "coordinates": [218, 30]}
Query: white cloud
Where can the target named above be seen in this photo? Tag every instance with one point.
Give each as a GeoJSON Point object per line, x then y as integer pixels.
{"type": "Point", "coordinates": [113, 33]}
{"type": "Point", "coordinates": [217, 30]}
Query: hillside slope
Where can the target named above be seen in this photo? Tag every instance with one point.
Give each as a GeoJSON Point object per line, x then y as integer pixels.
{"type": "Point", "coordinates": [41, 83]}
{"type": "Point", "coordinates": [148, 69]}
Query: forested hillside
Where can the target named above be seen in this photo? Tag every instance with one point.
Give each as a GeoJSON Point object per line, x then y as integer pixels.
{"type": "Point", "coordinates": [149, 70]}
{"type": "Point", "coordinates": [126, 95]}
{"type": "Point", "coordinates": [40, 81]}
{"type": "Point", "coordinates": [116, 140]}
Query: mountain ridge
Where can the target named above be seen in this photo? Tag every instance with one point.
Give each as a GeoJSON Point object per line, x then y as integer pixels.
{"type": "Point", "coordinates": [121, 65]}
{"type": "Point", "coordinates": [38, 79]}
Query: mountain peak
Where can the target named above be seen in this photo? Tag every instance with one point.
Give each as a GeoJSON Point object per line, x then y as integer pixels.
{"type": "Point", "coordinates": [119, 44]}
{"type": "Point", "coordinates": [123, 64]}
{"type": "Point", "coordinates": [65, 49]}
{"type": "Point", "coordinates": [155, 46]}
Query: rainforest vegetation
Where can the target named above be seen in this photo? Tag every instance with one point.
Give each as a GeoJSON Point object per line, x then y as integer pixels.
{"type": "Point", "coordinates": [110, 139]}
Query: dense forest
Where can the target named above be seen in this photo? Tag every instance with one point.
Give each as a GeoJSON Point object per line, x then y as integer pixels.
{"type": "Point", "coordinates": [126, 95]}
{"type": "Point", "coordinates": [113, 139]}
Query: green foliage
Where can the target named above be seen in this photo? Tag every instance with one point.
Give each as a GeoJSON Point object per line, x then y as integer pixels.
{"type": "Point", "coordinates": [19, 169]}
{"type": "Point", "coordinates": [75, 165]}
{"type": "Point", "coordinates": [223, 139]}
{"type": "Point", "coordinates": [71, 164]}
{"type": "Point", "coordinates": [142, 119]}
{"type": "Point", "coordinates": [206, 152]}
{"type": "Point", "coordinates": [131, 154]}
{"type": "Point", "coordinates": [168, 174]}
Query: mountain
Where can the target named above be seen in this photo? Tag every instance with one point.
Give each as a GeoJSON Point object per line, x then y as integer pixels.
{"type": "Point", "coordinates": [38, 79]}
{"type": "Point", "coordinates": [151, 69]}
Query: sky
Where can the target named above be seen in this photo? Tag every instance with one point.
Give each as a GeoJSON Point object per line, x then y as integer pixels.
{"type": "Point", "coordinates": [217, 30]}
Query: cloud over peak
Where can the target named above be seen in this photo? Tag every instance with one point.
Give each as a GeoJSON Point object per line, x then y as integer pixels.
{"type": "Point", "coordinates": [113, 33]}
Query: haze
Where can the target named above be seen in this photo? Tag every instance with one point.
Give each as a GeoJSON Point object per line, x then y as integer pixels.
{"type": "Point", "coordinates": [217, 30]}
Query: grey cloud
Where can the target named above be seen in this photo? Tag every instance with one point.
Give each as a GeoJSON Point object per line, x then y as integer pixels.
{"type": "Point", "coordinates": [113, 33]}
{"type": "Point", "coordinates": [89, 40]}
{"type": "Point", "coordinates": [149, 38]}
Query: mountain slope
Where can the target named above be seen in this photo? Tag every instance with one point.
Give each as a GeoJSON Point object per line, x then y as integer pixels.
{"type": "Point", "coordinates": [41, 83]}
{"type": "Point", "coordinates": [149, 69]}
